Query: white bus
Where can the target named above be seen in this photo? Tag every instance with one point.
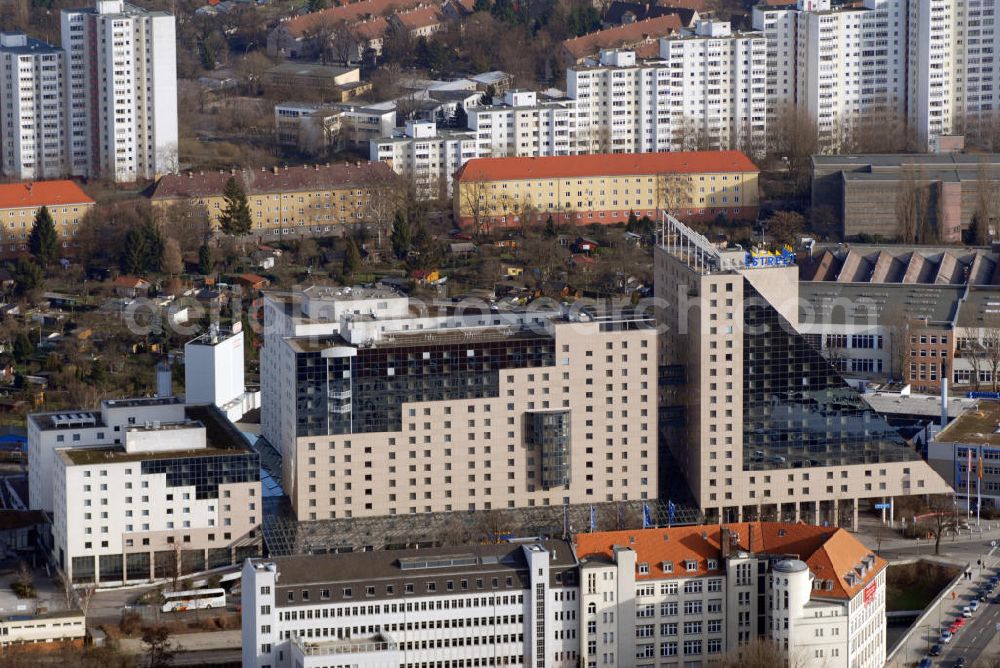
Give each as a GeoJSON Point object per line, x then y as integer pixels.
{"type": "Point", "coordinates": [180, 601]}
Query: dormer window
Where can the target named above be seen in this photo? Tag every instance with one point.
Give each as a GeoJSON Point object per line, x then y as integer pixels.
{"type": "Point", "coordinates": [668, 566]}
{"type": "Point", "coordinates": [643, 569]}
{"type": "Point", "coordinates": [691, 565]}
{"type": "Point", "coordinates": [713, 564]}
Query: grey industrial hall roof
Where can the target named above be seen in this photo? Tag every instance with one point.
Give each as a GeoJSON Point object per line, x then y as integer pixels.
{"type": "Point", "coordinates": [940, 160]}
{"type": "Point", "coordinates": [825, 303]}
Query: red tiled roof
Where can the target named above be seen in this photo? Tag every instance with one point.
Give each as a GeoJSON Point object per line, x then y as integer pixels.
{"type": "Point", "coordinates": [831, 553]}
{"type": "Point", "coordinates": [290, 179]}
{"type": "Point", "coordinates": [622, 36]}
{"type": "Point", "coordinates": [251, 279]}
{"type": "Point", "coordinates": [371, 29]}
{"type": "Point", "coordinates": [41, 193]}
{"type": "Point", "coordinates": [604, 164]}
{"type": "Point", "coordinates": [130, 282]}
{"type": "Point", "coordinates": [349, 13]}
{"type": "Point", "coordinates": [420, 17]}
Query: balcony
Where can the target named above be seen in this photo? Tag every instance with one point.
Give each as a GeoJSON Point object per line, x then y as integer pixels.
{"type": "Point", "coordinates": [375, 650]}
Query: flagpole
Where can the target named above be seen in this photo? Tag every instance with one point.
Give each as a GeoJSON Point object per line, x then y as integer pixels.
{"type": "Point", "coordinates": [968, 484]}
{"type": "Point", "coordinates": [979, 484]}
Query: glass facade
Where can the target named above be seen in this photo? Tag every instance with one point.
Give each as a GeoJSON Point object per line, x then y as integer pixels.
{"type": "Point", "coordinates": [798, 411]}
{"type": "Point", "coordinates": [111, 568]}
{"type": "Point", "coordinates": [365, 393]}
{"type": "Point", "coordinates": [549, 432]}
{"type": "Point", "coordinates": [83, 569]}
{"type": "Point", "coordinates": [137, 566]}
{"type": "Point", "coordinates": [206, 473]}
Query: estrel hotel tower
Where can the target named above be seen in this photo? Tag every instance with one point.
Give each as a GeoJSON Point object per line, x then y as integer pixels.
{"type": "Point", "coordinates": [382, 405]}
{"type": "Point", "coordinates": [759, 422]}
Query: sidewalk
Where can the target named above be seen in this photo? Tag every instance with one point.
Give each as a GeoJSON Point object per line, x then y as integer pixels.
{"type": "Point", "coordinates": [941, 613]}
{"type": "Point", "coordinates": [891, 540]}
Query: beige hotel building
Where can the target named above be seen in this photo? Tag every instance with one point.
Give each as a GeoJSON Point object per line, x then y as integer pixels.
{"type": "Point", "coordinates": [761, 425]}
{"type": "Point", "coordinates": [389, 407]}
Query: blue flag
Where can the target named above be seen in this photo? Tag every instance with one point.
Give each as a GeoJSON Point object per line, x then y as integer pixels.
{"type": "Point", "coordinates": [647, 517]}
{"type": "Point", "coordinates": [593, 523]}
{"type": "Point", "coordinates": [671, 512]}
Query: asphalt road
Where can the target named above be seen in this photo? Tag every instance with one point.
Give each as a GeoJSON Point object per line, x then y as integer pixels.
{"type": "Point", "coordinates": [972, 639]}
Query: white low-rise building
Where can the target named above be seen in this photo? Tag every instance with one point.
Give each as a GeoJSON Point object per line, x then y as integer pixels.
{"type": "Point", "coordinates": [58, 626]}
{"type": "Point", "coordinates": [482, 605]}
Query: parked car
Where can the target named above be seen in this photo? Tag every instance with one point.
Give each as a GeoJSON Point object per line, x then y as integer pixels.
{"type": "Point", "coordinates": [974, 606]}
{"type": "Point", "coordinates": [935, 650]}
{"type": "Point", "coordinates": [946, 637]}
{"type": "Point", "coordinates": [966, 611]}
{"type": "Point", "coordinates": [924, 662]}
{"type": "Point", "coordinates": [960, 662]}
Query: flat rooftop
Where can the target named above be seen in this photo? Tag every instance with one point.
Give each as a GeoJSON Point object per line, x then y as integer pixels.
{"type": "Point", "coordinates": [413, 563]}
{"type": "Point", "coordinates": [923, 405]}
{"type": "Point", "coordinates": [978, 426]}
{"type": "Point", "coordinates": [943, 160]}
{"type": "Point", "coordinates": [350, 293]}
{"type": "Point", "coordinates": [222, 438]}
{"type": "Point", "coordinates": [307, 344]}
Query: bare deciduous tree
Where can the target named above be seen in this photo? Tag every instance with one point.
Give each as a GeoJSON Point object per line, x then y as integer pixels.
{"type": "Point", "coordinates": [473, 203]}
{"type": "Point", "coordinates": [941, 519]}
{"type": "Point", "coordinates": [987, 214]}
{"type": "Point", "coordinates": [758, 653]}
{"type": "Point", "coordinates": [673, 192]}
{"type": "Point", "coordinates": [794, 137]}
{"type": "Point", "coordinates": [912, 200]}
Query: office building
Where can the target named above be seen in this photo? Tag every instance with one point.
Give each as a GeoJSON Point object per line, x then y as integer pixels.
{"type": "Point", "coordinates": [966, 453]}
{"type": "Point", "coordinates": [143, 489]}
{"type": "Point", "coordinates": [606, 188]}
{"type": "Point", "coordinates": [645, 598]}
{"type": "Point", "coordinates": [20, 203]}
{"type": "Point", "coordinates": [32, 108]}
{"type": "Point", "coordinates": [861, 191]}
{"type": "Point", "coordinates": [758, 421]}
{"type": "Point", "coordinates": [382, 406]}
{"type": "Point", "coordinates": [298, 201]}
{"type": "Point", "coordinates": [688, 595]}
{"type": "Point", "coordinates": [120, 91]}
{"type": "Point", "coordinates": [482, 605]}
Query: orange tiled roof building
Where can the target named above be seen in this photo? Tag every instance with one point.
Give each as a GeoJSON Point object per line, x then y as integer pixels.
{"type": "Point", "coordinates": [606, 187]}
{"type": "Point", "coordinates": [693, 593]}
